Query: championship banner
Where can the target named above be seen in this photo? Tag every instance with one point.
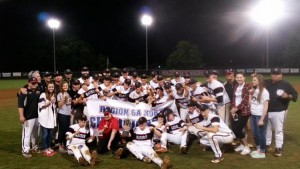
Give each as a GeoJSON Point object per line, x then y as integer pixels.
{"type": "Point", "coordinates": [123, 111]}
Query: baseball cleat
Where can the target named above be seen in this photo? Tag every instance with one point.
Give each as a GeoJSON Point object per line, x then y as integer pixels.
{"type": "Point", "coordinates": [27, 155]}
{"type": "Point", "coordinates": [118, 153]}
{"type": "Point", "coordinates": [277, 152]}
{"type": "Point", "coordinates": [147, 160]}
{"type": "Point", "coordinates": [217, 160]}
{"type": "Point", "coordinates": [183, 150]}
{"type": "Point", "coordinates": [166, 162]}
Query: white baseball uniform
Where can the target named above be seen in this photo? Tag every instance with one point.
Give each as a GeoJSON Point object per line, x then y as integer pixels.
{"type": "Point", "coordinates": [182, 101]}
{"type": "Point", "coordinates": [163, 132]}
{"type": "Point", "coordinates": [174, 135]}
{"type": "Point", "coordinates": [195, 118]}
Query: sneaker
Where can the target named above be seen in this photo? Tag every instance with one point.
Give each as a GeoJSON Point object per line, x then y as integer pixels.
{"type": "Point", "coordinates": [161, 150]}
{"type": "Point", "coordinates": [246, 151]}
{"type": "Point", "coordinates": [239, 148]}
{"type": "Point", "coordinates": [94, 158]}
{"type": "Point", "coordinates": [118, 153]}
{"type": "Point", "coordinates": [258, 155]}
{"type": "Point", "coordinates": [254, 152]}
{"type": "Point", "coordinates": [147, 160]}
{"type": "Point", "coordinates": [48, 153]}
{"type": "Point", "coordinates": [269, 148]}
{"type": "Point", "coordinates": [183, 150]}
{"type": "Point", "coordinates": [217, 160]}
{"type": "Point", "coordinates": [165, 163]}
{"type": "Point", "coordinates": [52, 151]}
{"type": "Point", "coordinates": [36, 150]}
{"type": "Point", "coordinates": [277, 152]}
{"type": "Point", "coordinates": [82, 161]}
{"type": "Point", "coordinates": [27, 155]}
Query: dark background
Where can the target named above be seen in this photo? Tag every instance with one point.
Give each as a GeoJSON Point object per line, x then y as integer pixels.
{"type": "Point", "coordinates": [219, 27]}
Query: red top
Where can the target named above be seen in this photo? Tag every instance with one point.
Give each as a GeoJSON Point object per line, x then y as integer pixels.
{"type": "Point", "coordinates": [112, 123]}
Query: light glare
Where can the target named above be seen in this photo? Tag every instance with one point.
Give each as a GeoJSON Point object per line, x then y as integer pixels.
{"type": "Point", "coordinates": [146, 20]}
{"type": "Point", "coordinates": [53, 23]}
{"type": "Point", "coordinates": [267, 12]}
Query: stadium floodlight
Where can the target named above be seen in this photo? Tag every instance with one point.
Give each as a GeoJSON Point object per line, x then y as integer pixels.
{"type": "Point", "coordinates": [267, 12]}
{"type": "Point", "coordinates": [53, 24]}
{"type": "Point", "coordinates": [146, 20]}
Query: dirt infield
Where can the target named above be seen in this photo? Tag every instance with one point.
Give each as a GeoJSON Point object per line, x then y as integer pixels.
{"type": "Point", "coordinates": [8, 98]}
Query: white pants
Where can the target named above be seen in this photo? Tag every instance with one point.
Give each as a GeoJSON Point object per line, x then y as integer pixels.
{"type": "Point", "coordinates": [141, 151]}
{"type": "Point", "coordinates": [223, 112]}
{"type": "Point", "coordinates": [275, 122]}
{"type": "Point", "coordinates": [163, 139]}
{"type": "Point", "coordinates": [177, 138]}
{"type": "Point", "coordinates": [30, 134]}
{"type": "Point", "coordinates": [197, 132]}
{"type": "Point", "coordinates": [183, 113]}
{"type": "Point", "coordinates": [218, 138]}
{"type": "Point", "coordinates": [81, 150]}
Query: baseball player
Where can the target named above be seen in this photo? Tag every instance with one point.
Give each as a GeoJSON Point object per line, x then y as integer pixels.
{"type": "Point", "coordinates": [176, 130]}
{"type": "Point", "coordinates": [76, 136]}
{"type": "Point", "coordinates": [28, 111]}
{"type": "Point", "coordinates": [182, 97]}
{"type": "Point", "coordinates": [124, 75]}
{"type": "Point", "coordinates": [281, 93]}
{"type": "Point", "coordinates": [138, 95]}
{"type": "Point", "coordinates": [141, 145]}
{"type": "Point", "coordinates": [177, 79]}
{"type": "Point", "coordinates": [153, 82]}
{"type": "Point", "coordinates": [197, 91]}
{"type": "Point", "coordinates": [160, 137]}
{"type": "Point", "coordinates": [216, 131]}
{"type": "Point", "coordinates": [159, 97]}
{"type": "Point", "coordinates": [85, 72]}
{"type": "Point", "coordinates": [194, 117]}
{"type": "Point", "coordinates": [144, 82]}
{"type": "Point", "coordinates": [122, 92]}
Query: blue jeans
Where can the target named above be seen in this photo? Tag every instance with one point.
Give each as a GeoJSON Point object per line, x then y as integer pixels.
{"type": "Point", "coordinates": [259, 132]}
{"type": "Point", "coordinates": [46, 137]}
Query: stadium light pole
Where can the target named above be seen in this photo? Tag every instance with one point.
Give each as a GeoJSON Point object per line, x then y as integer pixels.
{"type": "Point", "coordinates": [266, 13]}
{"type": "Point", "coordinates": [53, 24]}
{"type": "Point", "coordinates": [146, 20]}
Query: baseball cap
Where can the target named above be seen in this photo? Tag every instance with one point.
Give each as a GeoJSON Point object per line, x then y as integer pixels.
{"type": "Point", "coordinates": [167, 111]}
{"type": "Point", "coordinates": [159, 88]}
{"type": "Point", "coordinates": [144, 76]}
{"type": "Point", "coordinates": [214, 72]}
{"type": "Point", "coordinates": [167, 85]}
{"type": "Point", "coordinates": [153, 73]}
{"type": "Point", "coordinates": [160, 77]}
{"type": "Point", "coordinates": [76, 82]}
{"type": "Point", "coordinates": [228, 71]}
{"type": "Point", "coordinates": [47, 74]}
{"type": "Point", "coordinates": [142, 120]}
{"type": "Point", "coordinates": [106, 71]}
{"type": "Point", "coordinates": [192, 81]}
{"type": "Point", "coordinates": [176, 74]}
{"type": "Point", "coordinates": [68, 71]}
{"type": "Point", "coordinates": [276, 71]}
{"type": "Point", "coordinates": [134, 74]}
{"type": "Point", "coordinates": [207, 73]}
{"type": "Point", "coordinates": [84, 68]}
{"type": "Point", "coordinates": [107, 111]}
{"type": "Point", "coordinates": [178, 86]}
{"type": "Point", "coordinates": [32, 80]}
{"type": "Point", "coordinates": [82, 117]}
{"type": "Point", "coordinates": [202, 107]}
{"type": "Point", "coordinates": [127, 81]}
{"type": "Point", "coordinates": [187, 75]}
{"type": "Point", "coordinates": [116, 74]}
{"type": "Point", "coordinates": [85, 76]}
{"type": "Point", "coordinates": [138, 84]}
{"type": "Point", "coordinates": [160, 114]}
{"type": "Point", "coordinates": [57, 74]}
{"type": "Point", "coordinates": [96, 76]}
{"type": "Point", "coordinates": [124, 70]}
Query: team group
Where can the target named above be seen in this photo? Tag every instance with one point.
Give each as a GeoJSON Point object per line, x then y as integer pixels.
{"type": "Point", "coordinates": [214, 113]}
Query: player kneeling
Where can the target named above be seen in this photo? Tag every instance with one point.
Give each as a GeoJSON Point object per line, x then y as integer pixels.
{"type": "Point", "coordinates": [216, 130]}
{"type": "Point", "coordinates": [160, 135]}
{"type": "Point", "coordinates": [76, 136]}
{"type": "Point", "coordinates": [141, 145]}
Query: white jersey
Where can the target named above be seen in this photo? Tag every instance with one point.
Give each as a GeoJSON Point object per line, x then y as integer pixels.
{"type": "Point", "coordinates": [77, 139]}
{"type": "Point", "coordinates": [134, 96]}
{"type": "Point", "coordinates": [90, 93]}
{"type": "Point", "coordinates": [214, 120]}
{"type": "Point", "coordinates": [160, 100]}
{"type": "Point", "coordinates": [82, 81]}
{"type": "Point", "coordinates": [162, 129]}
{"type": "Point", "coordinates": [199, 91]}
{"type": "Point", "coordinates": [172, 89]}
{"type": "Point", "coordinates": [122, 93]}
{"type": "Point", "coordinates": [142, 137]}
{"type": "Point", "coordinates": [216, 90]}
{"type": "Point", "coordinates": [153, 84]}
{"type": "Point", "coordinates": [181, 100]}
{"type": "Point", "coordinates": [105, 90]}
{"type": "Point", "coordinates": [122, 78]}
{"type": "Point", "coordinates": [258, 107]}
{"type": "Point", "coordinates": [195, 117]}
{"type": "Point", "coordinates": [175, 125]}
{"type": "Point", "coordinates": [181, 80]}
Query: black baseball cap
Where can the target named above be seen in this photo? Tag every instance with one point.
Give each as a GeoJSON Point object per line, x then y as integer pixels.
{"type": "Point", "coordinates": [82, 117]}
{"type": "Point", "coordinates": [85, 76]}
{"type": "Point", "coordinates": [127, 81]}
{"type": "Point", "coordinates": [153, 73]}
{"type": "Point", "coordinates": [207, 73]}
{"type": "Point", "coordinates": [124, 70]}
{"type": "Point", "coordinates": [96, 76]}
{"type": "Point", "coordinates": [178, 86]}
{"type": "Point", "coordinates": [144, 76]}
{"type": "Point", "coordinates": [76, 82]}
{"type": "Point", "coordinates": [84, 68]}
{"type": "Point", "coordinates": [167, 85]}
{"type": "Point", "coordinates": [57, 74]}
{"type": "Point", "coordinates": [142, 120]}
{"type": "Point", "coordinates": [167, 111]}
{"type": "Point", "coordinates": [137, 84]}
{"type": "Point", "coordinates": [214, 72]}
{"type": "Point", "coordinates": [134, 74]}
{"type": "Point", "coordinates": [47, 74]}
{"type": "Point", "coordinates": [187, 75]}
{"type": "Point", "coordinates": [160, 77]}
{"type": "Point", "coordinates": [32, 80]}
{"type": "Point", "coordinates": [107, 71]}
{"type": "Point", "coordinates": [68, 71]}
{"type": "Point", "coordinates": [276, 71]}
{"type": "Point", "coordinates": [116, 74]}
{"type": "Point", "coordinates": [202, 107]}
{"type": "Point", "coordinates": [176, 74]}
{"type": "Point", "coordinates": [228, 71]}
{"type": "Point", "coordinates": [192, 81]}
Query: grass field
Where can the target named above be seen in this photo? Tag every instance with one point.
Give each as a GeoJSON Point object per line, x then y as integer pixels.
{"type": "Point", "coordinates": [10, 144]}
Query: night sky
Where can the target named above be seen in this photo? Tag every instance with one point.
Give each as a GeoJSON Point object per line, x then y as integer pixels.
{"type": "Point", "coordinates": [225, 36]}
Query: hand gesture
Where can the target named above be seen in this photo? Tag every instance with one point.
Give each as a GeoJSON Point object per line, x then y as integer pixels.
{"type": "Point", "coordinates": [22, 119]}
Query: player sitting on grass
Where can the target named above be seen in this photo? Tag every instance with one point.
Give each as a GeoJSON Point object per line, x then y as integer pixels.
{"type": "Point", "coordinates": [76, 136]}
{"type": "Point", "coordinates": [160, 136]}
{"type": "Point", "coordinates": [216, 131]}
{"type": "Point", "coordinates": [141, 145]}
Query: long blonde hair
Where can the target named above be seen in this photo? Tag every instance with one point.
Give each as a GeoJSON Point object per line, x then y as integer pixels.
{"type": "Point", "coordinates": [261, 85]}
{"type": "Point", "coordinates": [47, 93]}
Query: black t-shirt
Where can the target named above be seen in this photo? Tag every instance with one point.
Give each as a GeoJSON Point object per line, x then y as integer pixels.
{"type": "Point", "coordinates": [74, 95]}
{"type": "Point", "coordinates": [29, 102]}
{"type": "Point", "coordinates": [277, 103]}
